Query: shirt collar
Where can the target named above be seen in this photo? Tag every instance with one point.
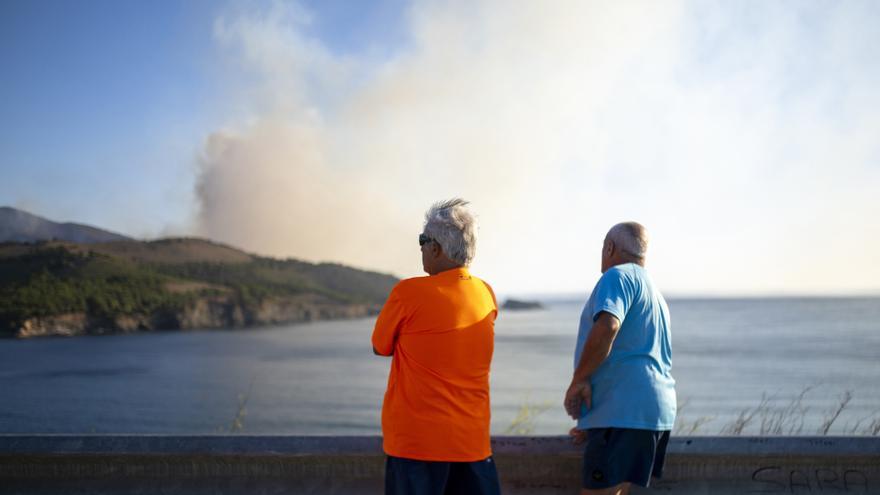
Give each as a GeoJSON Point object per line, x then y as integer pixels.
{"type": "Point", "coordinates": [461, 272]}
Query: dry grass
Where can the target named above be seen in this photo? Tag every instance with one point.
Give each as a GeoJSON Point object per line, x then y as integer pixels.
{"type": "Point", "coordinates": [684, 427]}
{"type": "Point", "coordinates": [769, 419]}
{"type": "Point", "coordinates": [238, 420]}
{"type": "Point", "coordinates": [526, 419]}
{"type": "Point", "coordinates": [788, 420]}
{"type": "Point", "coordinates": [745, 417]}
{"type": "Point", "coordinates": [832, 415]}
{"type": "Point", "coordinates": [873, 428]}
{"type": "Point", "coordinates": [696, 424]}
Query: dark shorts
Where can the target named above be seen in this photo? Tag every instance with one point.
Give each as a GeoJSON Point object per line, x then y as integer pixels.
{"type": "Point", "coordinates": [617, 455]}
{"type": "Point", "coordinates": [412, 477]}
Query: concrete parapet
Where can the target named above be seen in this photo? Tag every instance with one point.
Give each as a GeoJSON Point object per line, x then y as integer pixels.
{"type": "Point", "coordinates": [238, 464]}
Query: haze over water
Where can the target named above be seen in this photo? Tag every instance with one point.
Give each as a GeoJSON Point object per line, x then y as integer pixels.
{"type": "Point", "coordinates": [322, 378]}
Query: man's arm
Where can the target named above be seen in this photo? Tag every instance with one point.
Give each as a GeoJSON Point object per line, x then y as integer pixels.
{"type": "Point", "coordinates": [388, 324]}
{"type": "Point", "coordinates": [596, 349]}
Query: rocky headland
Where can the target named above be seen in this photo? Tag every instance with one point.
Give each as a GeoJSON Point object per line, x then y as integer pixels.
{"type": "Point", "coordinates": [520, 305]}
{"type": "Point", "coordinates": [68, 289]}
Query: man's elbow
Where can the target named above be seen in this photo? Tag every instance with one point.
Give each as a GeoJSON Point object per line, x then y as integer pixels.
{"type": "Point", "coordinates": [607, 325]}
{"type": "Point", "coordinates": [376, 352]}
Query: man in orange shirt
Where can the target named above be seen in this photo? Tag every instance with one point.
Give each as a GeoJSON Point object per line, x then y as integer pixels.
{"type": "Point", "coordinates": [440, 332]}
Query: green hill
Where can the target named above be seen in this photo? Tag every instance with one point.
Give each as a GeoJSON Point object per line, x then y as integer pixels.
{"type": "Point", "coordinates": [61, 288]}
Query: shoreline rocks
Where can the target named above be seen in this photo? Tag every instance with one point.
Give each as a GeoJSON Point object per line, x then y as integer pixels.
{"type": "Point", "coordinates": [202, 314]}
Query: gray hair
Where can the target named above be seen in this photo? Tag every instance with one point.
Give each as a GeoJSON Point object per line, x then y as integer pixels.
{"type": "Point", "coordinates": [631, 238]}
{"type": "Point", "coordinates": [452, 225]}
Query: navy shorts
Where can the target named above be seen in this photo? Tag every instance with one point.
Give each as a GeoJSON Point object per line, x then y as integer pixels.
{"type": "Point", "coordinates": [412, 477]}
{"type": "Point", "coordinates": [617, 455]}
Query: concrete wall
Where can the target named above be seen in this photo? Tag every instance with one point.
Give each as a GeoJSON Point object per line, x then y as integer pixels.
{"type": "Point", "coordinates": [144, 464]}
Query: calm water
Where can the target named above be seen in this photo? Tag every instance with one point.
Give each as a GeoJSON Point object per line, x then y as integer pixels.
{"type": "Point", "coordinates": [322, 378]}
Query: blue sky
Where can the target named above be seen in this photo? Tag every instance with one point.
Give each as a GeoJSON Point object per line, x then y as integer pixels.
{"type": "Point", "coordinates": [105, 103]}
{"type": "Point", "coordinates": [743, 134]}
{"type": "Point", "coordinates": [100, 99]}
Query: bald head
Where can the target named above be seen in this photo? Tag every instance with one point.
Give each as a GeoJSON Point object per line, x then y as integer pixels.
{"type": "Point", "coordinates": [626, 242]}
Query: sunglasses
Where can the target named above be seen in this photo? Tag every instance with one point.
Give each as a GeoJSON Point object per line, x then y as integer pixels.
{"type": "Point", "coordinates": [423, 239]}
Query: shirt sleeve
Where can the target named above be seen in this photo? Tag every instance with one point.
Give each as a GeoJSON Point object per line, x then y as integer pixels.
{"type": "Point", "coordinates": [491, 293]}
{"type": "Point", "coordinates": [388, 323]}
{"type": "Point", "coordinates": [613, 295]}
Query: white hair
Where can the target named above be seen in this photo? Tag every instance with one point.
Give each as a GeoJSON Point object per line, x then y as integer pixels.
{"type": "Point", "coordinates": [631, 238]}
{"type": "Point", "coordinates": [452, 225]}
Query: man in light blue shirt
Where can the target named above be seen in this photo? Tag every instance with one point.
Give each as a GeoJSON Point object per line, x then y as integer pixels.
{"type": "Point", "coordinates": [622, 393]}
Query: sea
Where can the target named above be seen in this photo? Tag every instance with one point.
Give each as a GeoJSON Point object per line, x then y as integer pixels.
{"type": "Point", "coordinates": [742, 366]}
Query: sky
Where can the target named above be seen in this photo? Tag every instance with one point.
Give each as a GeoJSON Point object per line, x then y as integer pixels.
{"type": "Point", "coordinates": [743, 135]}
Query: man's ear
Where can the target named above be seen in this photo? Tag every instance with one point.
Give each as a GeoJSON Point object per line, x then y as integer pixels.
{"type": "Point", "coordinates": [610, 248]}
{"type": "Point", "coordinates": [436, 250]}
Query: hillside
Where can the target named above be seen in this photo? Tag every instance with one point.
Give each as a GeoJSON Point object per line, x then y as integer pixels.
{"type": "Point", "coordinates": [64, 288]}
{"type": "Point", "coordinates": [21, 226]}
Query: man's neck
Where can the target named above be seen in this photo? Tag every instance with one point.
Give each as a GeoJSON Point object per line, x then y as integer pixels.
{"type": "Point", "coordinates": [624, 260]}
{"type": "Point", "coordinates": [445, 267]}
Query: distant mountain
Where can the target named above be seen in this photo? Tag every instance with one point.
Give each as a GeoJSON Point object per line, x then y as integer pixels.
{"type": "Point", "coordinates": [64, 288]}
{"type": "Point", "coordinates": [21, 226]}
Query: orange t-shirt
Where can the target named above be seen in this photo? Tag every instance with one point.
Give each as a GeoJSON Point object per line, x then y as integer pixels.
{"type": "Point", "coordinates": [440, 330]}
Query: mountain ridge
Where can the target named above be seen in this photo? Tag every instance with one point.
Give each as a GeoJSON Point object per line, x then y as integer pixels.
{"type": "Point", "coordinates": [22, 226]}
{"type": "Point", "coordinates": [59, 287]}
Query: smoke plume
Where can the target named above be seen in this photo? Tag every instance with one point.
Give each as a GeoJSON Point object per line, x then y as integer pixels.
{"type": "Point", "coordinates": [707, 123]}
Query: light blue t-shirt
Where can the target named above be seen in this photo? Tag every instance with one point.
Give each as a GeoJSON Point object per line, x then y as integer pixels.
{"type": "Point", "coordinates": [633, 387]}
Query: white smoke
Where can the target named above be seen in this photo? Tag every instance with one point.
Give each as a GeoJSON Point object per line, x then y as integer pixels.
{"type": "Point", "coordinates": [738, 133]}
